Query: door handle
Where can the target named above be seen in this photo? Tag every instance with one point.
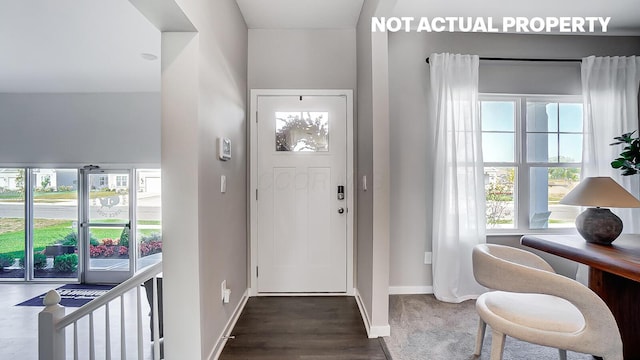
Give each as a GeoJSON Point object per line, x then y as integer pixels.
{"type": "Point", "coordinates": [340, 210]}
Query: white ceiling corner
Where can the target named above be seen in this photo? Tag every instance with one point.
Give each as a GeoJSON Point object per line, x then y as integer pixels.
{"type": "Point", "coordinates": [300, 14]}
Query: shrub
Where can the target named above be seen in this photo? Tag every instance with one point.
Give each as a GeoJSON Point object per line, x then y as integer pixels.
{"type": "Point", "coordinates": [39, 261]}
{"type": "Point", "coordinates": [108, 251]}
{"type": "Point", "coordinates": [95, 251]}
{"type": "Point", "coordinates": [72, 239]}
{"type": "Point", "coordinates": [109, 242]}
{"type": "Point", "coordinates": [153, 237]}
{"type": "Point", "coordinates": [65, 188]}
{"type": "Point", "coordinates": [149, 248]}
{"type": "Point", "coordinates": [66, 263]}
{"type": "Point", "coordinates": [123, 251]}
{"type": "Point", "coordinates": [6, 260]}
{"type": "Point", "coordinates": [124, 237]}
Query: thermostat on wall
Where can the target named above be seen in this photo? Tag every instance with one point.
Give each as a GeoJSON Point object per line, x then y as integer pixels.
{"type": "Point", "coordinates": [224, 149]}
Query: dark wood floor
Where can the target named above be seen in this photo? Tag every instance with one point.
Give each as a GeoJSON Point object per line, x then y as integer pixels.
{"type": "Point", "coordinates": [304, 328]}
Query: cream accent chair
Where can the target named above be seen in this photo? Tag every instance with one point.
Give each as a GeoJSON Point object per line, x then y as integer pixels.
{"type": "Point", "coordinates": [536, 305]}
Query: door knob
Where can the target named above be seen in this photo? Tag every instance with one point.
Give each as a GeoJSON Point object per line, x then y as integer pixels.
{"type": "Point", "coordinates": [340, 210]}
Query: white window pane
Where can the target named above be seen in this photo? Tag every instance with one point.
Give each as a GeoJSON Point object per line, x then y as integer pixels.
{"type": "Point", "coordinates": [498, 147]}
{"type": "Point", "coordinates": [149, 217]}
{"type": "Point", "coordinates": [302, 131]}
{"type": "Point", "coordinates": [542, 147]}
{"type": "Point", "coordinates": [55, 219]}
{"type": "Point", "coordinates": [547, 187]}
{"type": "Point", "coordinates": [571, 117]}
{"type": "Point", "coordinates": [542, 117]}
{"type": "Point", "coordinates": [499, 185]}
{"type": "Point", "coordinates": [570, 148]}
{"type": "Point", "coordinates": [12, 222]}
{"type": "Point", "coordinates": [498, 115]}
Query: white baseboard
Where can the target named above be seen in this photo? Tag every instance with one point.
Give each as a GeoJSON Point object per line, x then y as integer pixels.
{"type": "Point", "coordinates": [408, 290]}
{"type": "Point", "coordinates": [372, 331]}
{"type": "Point", "coordinates": [222, 340]}
{"type": "Point", "coordinates": [379, 331]}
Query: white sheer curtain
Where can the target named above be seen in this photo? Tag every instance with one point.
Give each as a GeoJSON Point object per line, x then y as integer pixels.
{"type": "Point", "coordinates": [610, 106]}
{"type": "Point", "coordinates": [458, 192]}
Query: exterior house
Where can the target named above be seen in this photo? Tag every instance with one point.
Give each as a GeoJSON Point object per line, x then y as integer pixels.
{"type": "Point", "coordinates": [213, 53]}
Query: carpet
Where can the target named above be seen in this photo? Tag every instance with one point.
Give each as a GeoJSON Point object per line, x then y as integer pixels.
{"type": "Point", "coordinates": [425, 328]}
{"type": "Point", "coordinates": [72, 295]}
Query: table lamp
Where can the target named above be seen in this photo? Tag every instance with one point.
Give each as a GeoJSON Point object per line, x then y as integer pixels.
{"type": "Point", "coordinates": [598, 224]}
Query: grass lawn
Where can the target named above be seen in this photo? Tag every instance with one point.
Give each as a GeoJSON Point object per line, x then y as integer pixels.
{"type": "Point", "coordinates": [48, 197]}
{"type": "Point", "coordinates": [48, 232]}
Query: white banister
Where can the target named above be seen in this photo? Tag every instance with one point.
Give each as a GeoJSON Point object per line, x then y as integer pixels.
{"type": "Point", "coordinates": [107, 331]}
{"type": "Point", "coordinates": [156, 328]}
{"type": "Point", "coordinates": [92, 339]}
{"type": "Point", "coordinates": [51, 339]}
{"type": "Point", "coordinates": [75, 341]}
{"type": "Point", "coordinates": [123, 333]}
{"type": "Point", "coordinates": [139, 303]}
{"type": "Point", "coordinates": [136, 280]}
{"type": "Point", "coordinates": [52, 321]}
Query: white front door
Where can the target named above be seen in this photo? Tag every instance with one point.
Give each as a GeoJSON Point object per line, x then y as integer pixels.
{"type": "Point", "coordinates": [301, 214]}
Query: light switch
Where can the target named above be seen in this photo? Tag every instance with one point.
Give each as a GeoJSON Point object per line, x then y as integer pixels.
{"type": "Point", "coordinates": [223, 184]}
{"type": "Point", "coordinates": [364, 182]}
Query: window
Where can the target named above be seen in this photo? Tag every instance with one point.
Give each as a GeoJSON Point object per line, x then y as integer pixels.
{"type": "Point", "coordinates": [121, 180]}
{"type": "Point", "coordinates": [532, 149]}
{"type": "Point", "coordinates": [302, 131]}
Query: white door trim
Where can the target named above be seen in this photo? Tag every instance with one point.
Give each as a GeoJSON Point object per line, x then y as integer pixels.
{"type": "Point", "coordinates": [253, 181]}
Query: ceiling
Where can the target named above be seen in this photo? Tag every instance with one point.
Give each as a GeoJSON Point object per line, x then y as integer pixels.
{"type": "Point", "coordinates": [76, 46]}
{"type": "Point", "coordinates": [300, 14]}
{"type": "Point", "coordinates": [96, 45]}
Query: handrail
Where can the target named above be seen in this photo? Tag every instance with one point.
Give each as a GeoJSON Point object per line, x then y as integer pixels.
{"type": "Point", "coordinates": [114, 293]}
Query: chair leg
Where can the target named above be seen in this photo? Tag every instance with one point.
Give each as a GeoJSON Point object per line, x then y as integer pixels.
{"type": "Point", "coordinates": [563, 354]}
{"type": "Point", "coordinates": [482, 327]}
{"type": "Point", "coordinates": [497, 345]}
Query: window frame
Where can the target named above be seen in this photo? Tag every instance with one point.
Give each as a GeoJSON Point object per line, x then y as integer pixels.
{"type": "Point", "coordinates": [522, 167]}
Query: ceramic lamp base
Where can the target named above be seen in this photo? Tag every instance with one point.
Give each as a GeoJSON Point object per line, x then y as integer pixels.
{"type": "Point", "coordinates": [599, 226]}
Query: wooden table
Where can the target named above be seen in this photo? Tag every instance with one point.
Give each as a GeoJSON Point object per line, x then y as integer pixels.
{"type": "Point", "coordinates": [614, 274]}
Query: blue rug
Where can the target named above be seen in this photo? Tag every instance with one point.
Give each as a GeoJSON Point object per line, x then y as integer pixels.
{"type": "Point", "coordinates": [72, 295]}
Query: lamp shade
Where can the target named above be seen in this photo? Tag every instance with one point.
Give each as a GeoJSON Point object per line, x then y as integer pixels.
{"type": "Point", "coordinates": [600, 191]}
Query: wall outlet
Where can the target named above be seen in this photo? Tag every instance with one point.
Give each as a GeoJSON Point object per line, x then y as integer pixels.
{"type": "Point", "coordinates": [428, 257]}
{"type": "Point", "coordinates": [223, 289]}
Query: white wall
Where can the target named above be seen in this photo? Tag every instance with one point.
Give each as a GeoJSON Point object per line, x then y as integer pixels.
{"type": "Point", "coordinates": [80, 128]}
{"type": "Point", "coordinates": [372, 241]}
{"type": "Point", "coordinates": [180, 212]}
{"type": "Point", "coordinates": [203, 97]}
{"type": "Point", "coordinates": [302, 59]}
{"type": "Point", "coordinates": [409, 91]}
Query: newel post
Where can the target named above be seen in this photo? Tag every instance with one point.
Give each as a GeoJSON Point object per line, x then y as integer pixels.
{"type": "Point", "coordinates": [51, 342]}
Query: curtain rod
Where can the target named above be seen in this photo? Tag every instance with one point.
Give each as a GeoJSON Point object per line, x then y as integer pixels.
{"type": "Point", "coordinates": [525, 59]}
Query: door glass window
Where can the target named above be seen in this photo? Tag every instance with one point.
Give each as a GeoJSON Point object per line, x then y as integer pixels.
{"type": "Point", "coordinates": [302, 131]}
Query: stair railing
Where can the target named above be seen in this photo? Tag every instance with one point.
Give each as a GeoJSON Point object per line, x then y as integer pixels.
{"type": "Point", "coordinates": [53, 323]}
